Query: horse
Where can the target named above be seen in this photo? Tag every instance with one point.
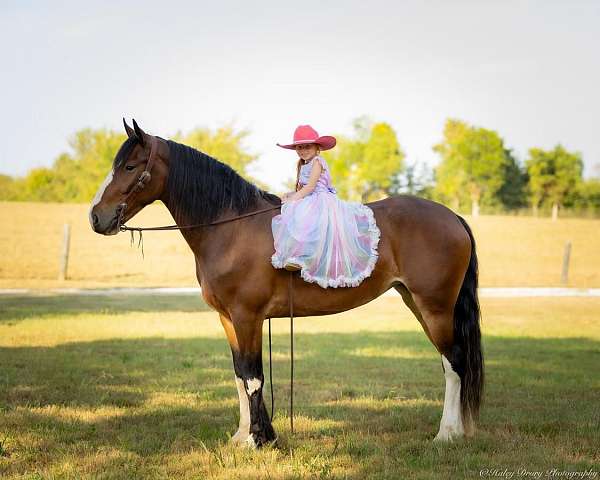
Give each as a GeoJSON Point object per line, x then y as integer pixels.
{"type": "Point", "coordinates": [426, 253]}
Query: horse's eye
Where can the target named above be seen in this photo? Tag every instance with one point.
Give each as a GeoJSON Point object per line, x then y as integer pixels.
{"type": "Point", "coordinates": [129, 168]}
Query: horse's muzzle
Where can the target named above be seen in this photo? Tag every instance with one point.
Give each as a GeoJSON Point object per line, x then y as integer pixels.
{"type": "Point", "coordinates": [105, 223]}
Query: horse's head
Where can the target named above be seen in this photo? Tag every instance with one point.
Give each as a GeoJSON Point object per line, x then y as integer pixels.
{"type": "Point", "coordinates": [138, 177]}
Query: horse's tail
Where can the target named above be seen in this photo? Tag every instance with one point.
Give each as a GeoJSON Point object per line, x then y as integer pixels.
{"type": "Point", "coordinates": [468, 356]}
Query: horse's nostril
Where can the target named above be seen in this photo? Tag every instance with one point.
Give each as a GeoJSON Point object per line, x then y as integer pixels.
{"type": "Point", "coordinates": [95, 218]}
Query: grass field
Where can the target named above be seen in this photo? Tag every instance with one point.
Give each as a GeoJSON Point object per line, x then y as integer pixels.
{"type": "Point", "coordinates": [94, 387]}
{"type": "Point", "coordinates": [513, 251]}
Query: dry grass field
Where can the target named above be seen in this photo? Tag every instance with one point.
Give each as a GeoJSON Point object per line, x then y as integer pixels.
{"type": "Point", "coordinates": [513, 251]}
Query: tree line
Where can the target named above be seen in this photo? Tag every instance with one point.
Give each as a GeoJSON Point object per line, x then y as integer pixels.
{"type": "Point", "coordinates": [76, 175]}
{"type": "Point", "coordinates": [476, 169]}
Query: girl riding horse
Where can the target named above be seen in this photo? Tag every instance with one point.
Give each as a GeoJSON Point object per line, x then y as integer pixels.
{"type": "Point", "coordinates": [426, 253]}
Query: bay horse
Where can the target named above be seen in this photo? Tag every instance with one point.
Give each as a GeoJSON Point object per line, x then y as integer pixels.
{"type": "Point", "coordinates": [426, 252]}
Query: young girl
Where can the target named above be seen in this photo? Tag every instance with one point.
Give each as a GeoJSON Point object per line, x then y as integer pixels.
{"type": "Point", "coordinates": [332, 242]}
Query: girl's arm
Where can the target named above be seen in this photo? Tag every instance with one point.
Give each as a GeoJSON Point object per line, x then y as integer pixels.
{"type": "Point", "coordinates": [307, 189]}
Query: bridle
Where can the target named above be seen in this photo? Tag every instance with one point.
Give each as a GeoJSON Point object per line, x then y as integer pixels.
{"type": "Point", "coordinates": [141, 183]}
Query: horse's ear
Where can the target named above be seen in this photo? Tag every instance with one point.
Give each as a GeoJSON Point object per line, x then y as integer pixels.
{"type": "Point", "coordinates": [139, 133]}
{"type": "Point", "coordinates": [128, 129]}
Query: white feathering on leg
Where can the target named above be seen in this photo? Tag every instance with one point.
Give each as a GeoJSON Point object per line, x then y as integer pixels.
{"type": "Point", "coordinates": [243, 432]}
{"type": "Point", "coordinates": [451, 425]}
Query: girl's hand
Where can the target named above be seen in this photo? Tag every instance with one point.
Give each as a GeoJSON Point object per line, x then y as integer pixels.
{"type": "Point", "coordinates": [289, 197]}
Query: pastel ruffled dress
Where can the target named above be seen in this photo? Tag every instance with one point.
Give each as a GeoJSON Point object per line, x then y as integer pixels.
{"type": "Point", "coordinates": [334, 241]}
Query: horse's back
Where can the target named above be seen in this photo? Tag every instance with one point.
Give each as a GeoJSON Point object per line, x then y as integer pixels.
{"type": "Point", "coordinates": [423, 241]}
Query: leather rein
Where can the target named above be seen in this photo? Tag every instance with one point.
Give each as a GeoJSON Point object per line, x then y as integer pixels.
{"type": "Point", "coordinates": [141, 183]}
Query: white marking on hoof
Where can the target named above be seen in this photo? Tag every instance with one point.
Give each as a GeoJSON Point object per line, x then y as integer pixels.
{"type": "Point", "coordinates": [447, 436]}
{"type": "Point", "coordinates": [254, 385]}
{"type": "Point", "coordinates": [451, 425]}
{"type": "Point", "coordinates": [241, 436]}
{"type": "Point", "coordinates": [250, 443]}
{"type": "Point", "coordinates": [99, 194]}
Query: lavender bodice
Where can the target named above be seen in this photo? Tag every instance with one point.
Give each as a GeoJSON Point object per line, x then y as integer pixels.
{"type": "Point", "coordinates": [324, 183]}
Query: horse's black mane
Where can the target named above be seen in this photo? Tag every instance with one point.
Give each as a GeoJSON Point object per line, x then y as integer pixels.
{"type": "Point", "coordinates": [200, 187]}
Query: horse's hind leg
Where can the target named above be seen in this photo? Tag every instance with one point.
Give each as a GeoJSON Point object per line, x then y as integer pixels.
{"type": "Point", "coordinates": [452, 425]}
{"type": "Point", "coordinates": [438, 324]}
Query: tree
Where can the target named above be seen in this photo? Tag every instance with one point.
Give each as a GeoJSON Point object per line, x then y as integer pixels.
{"type": "Point", "coordinates": [588, 195]}
{"type": "Point", "coordinates": [38, 186]}
{"type": "Point", "coordinates": [343, 162]}
{"type": "Point", "coordinates": [382, 160]}
{"type": "Point", "coordinates": [513, 192]}
{"type": "Point", "coordinates": [7, 188]}
{"type": "Point", "coordinates": [363, 167]}
{"type": "Point", "coordinates": [554, 175]}
{"type": "Point", "coordinates": [81, 171]}
{"type": "Point", "coordinates": [473, 165]}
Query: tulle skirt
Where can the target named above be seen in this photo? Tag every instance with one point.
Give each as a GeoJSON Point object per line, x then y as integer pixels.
{"type": "Point", "coordinates": [335, 242]}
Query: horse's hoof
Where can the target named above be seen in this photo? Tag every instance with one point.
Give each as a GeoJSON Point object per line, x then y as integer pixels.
{"type": "Point", "coordinates": [262, 439]}
{"type": "Point", "coordinates": [447, 435]}
{"type": "Point", "coordinates": [239, 437]}
{"type": "Point", "coordinates": [250, 443]}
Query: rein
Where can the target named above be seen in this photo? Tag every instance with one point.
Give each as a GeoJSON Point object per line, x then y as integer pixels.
{"type": "Point", "coordinates": [125, 228]}
{"type": "Point", "coordinates": [144, 178]}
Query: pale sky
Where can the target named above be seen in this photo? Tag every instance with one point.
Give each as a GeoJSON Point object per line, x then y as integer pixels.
{"type": "Point", "coordinates": [527, 69]}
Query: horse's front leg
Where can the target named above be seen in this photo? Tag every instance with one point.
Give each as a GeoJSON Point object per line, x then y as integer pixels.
{"type": "Point", "coordinates": [245, 339]}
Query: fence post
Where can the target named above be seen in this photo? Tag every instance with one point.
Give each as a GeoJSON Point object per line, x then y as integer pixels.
{"type": "Point", "coordinates": [64, 257]}
{"type": "Point", "coordinates": [475, 209]}
{"type": "Point", "coordinates": [564, 278]}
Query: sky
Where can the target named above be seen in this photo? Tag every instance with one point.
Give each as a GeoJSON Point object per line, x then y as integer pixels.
{"type": "Point", "coordinates": [528, 69]}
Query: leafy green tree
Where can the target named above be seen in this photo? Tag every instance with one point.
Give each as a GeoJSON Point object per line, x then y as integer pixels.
{"type": "Point", "coordinates": [513, 192]}
{"type": "Point", "coordinates": [473, 165]}
{"type": "Point", "coordinates": [450, 176]}
{"type": "Point", "coordinates": [7, 188]}
{"type": "Point", "coordinates": [382, 160]}
{"type": "Point", "coordinates": [588, 195]}
{"type": "Point", "coordinates": [81, 171]}
{"type": "Point", "coordinates": [343, 162]}
{"type": "Point", "coordinates": [38, 186]}
{"type": "Point", "coordinates": [363, 166]}
{"type": "Point", "coordinates": [554, 176]}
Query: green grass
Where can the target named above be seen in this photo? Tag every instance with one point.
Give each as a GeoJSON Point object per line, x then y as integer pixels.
{"type": "Point", "coordinates": [139, 387]}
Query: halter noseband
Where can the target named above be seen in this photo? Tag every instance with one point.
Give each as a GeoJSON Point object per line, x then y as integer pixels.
{"type": "Point", "coordinates": [142, 181]}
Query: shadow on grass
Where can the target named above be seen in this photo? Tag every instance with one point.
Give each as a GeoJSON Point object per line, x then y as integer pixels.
{"type": "Point", "coordinates": [375, 397]}
{"type": "Point", "coordinates": [15, 307]}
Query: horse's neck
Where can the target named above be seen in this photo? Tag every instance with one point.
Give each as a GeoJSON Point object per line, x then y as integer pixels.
{"type": "Point", "coordinates": [205, 241]}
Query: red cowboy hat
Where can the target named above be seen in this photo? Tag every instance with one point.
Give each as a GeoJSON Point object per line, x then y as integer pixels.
{"type": "Point", "coordinates": [306, 134]}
